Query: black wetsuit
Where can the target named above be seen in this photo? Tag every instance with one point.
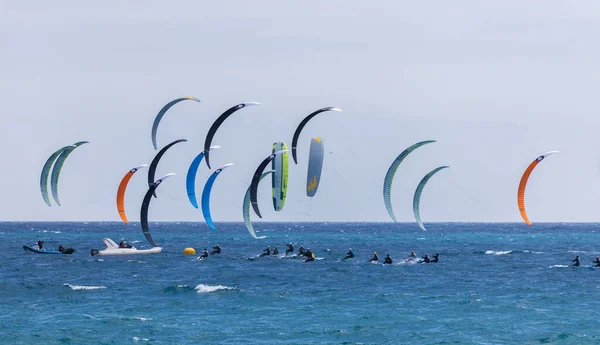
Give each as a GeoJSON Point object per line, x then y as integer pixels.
{"type": "Point", "coordinates": [426, 259]}
{"type": "Point", "coordinates": [349, 255]}
{"type": "Point", "coordinates": [40, 244]}
{"type": "Point", "coordinates": [205, 254]}
{"type": "Point", "coordinates": [435, 258]}
{"type": "Point", "coordinates": [290, 249]}
{"type": "Point", "coordinates": [301, 251]}
{"type": "Point", "coordinates": [388, 260]}
{"type": "Point", "coordinates": [217, 250]}
{"type": "Point", "coordinates": [374, 258]}
{"type": "Point", "coordinates": [275, 251]}
{"type": "Point", "coordinates": [311, 256]}
{"type": "Point", "coordinates": [267, 252]}
{"type": "Point", "coordinates": [576, 261]}
{"type": "Point", "coordinates": [596, 262]}
{"type": "Point", "coordinates": [61, 248]}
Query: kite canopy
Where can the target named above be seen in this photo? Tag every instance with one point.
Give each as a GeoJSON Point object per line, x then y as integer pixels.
{"type": "Point", "coordinates": [154, 163]}
{"type": "Point", "coordinates": [315, 166]}
{"type": "Point", "coordinates": [58, 167]}
{"type": "Point", "coordinates": [417, 197]}
{"type": "Point", "coordinates": [46, 173]}
{"type": "Point", "coordinates": [190, 180]}
{"type": "Point", "coordinates": [121, 192]}
{"type": "Point", "coordinates": [523, 184]}
{"type": "Point", "coordinates": [246, 208]}
{"type": "Point", "coordinates": [215, 126]}
{"type": "Point", "coordinates": [301, 126]}
{"type": "Point", "coordinates": [162, 112]}
{"type": "Point", "coordinates": [256, 180]}
{"type": "Point", "coordinates": [206, 196]}
{"type": "Point", "coordinates": [280, 176]}
{"type": "Point", "coordinates": [389, 176]}
{"type": "Point", "coordinates": [146, 205]}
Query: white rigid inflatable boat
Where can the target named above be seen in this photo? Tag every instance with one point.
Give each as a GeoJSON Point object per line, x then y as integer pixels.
{"type": "Point", "coordinates": [113, 249]}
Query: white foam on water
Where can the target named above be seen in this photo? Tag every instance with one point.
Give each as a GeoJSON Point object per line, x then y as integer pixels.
{"type": "Point", "coordinates": [136, 339]}
{"type": "Point", "coordinates": [558, 266]}
{"type": "Point", "coordinates": [201, 288]}
{"type": "Point", "coordinates": [84, 287]}
{"type": "Point", "coordinates": [491, 252]}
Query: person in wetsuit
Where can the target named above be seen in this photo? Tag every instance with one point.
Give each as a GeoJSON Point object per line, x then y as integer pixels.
{"type": "Point", "coordinates": [301, 251]}
{"type": "Point", "coordinates": [411, 257]}
{"type": "Point", "coordinates": [311, 256]}
{"type": "Point", "coordinates": [61, 248]}
{"type": "Point", "coordinates": [388, 259]}
{"type": "Point", "coordinates": [217, 250]}
{"type": "Point", "coordinates": [375, 258]}
{"type": "Point", "coordinates": [122, 244]}
{"type": "Point", "coordinates": [349, 255]}
{"type": "Point", "coordinates": [596, 262]}
{"type": "Point", "coordinates": [275, 251]}
{"type": "Point", "coordinates": [40, 244]}
{"type": "Point", "coordinates": [266, 252]}
{"type": "Point", "coordinates": [435, 257]}
{"type": "Point", "coordinates": [576, 261]}
{"type": "Point", "coordinates": [426, 259]}
{"type": "Point", "coordinates": [290, 248]}
{"type": "Point", "coordinates": [204, 254]}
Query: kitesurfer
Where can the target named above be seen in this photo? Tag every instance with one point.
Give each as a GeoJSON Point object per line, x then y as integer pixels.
{"type": "Point", "coordinates": [596, 262]}
{"type": "Point", "coordinates": [275, 251]}
{"type": "Point", "coordinates": [290, 248]}
{"type": "Point", "coordinates": [576, 261]}
{"type": "Point", "coordinates": [217, 250]}
{"type": "Point", "coordinates": [388, 259]}
{"type": "Point", "coordinates": [349, 255]}
{"type": "Point", "coordinates": [411, 257]}
{"type": "Point", "coordinates": [435, 257]}
{"type": "Point", "coordinates": [310, 255]}
{"type": "Point", "coordinates": [204, 254]}
{"type": "Point", "coordinates": [426, 259]}
{"type": "Point", "coordinates": [266, 252]}
{"type": "Point", "coordinates": [301, 251]}
{"type": "Point", "coordinates": [40, 244]}
{"type": "Point", "coordinates": [374, 258]}
{"type": "Point", "coordinates": [61, 248]}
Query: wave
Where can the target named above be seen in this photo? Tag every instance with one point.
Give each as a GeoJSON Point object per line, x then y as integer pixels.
{"type": "Point", "coordinates": [84, 287]}
{"type": "Point", "coordinates": [532, 252]}
{"type": "Point", "coordinates": [559, 266]}
{"type": "Point", "coordinates": [136, 339]}
{"type": "Point", "coordinates": [491, 252]}
{"type": "Point", "coordinates": [212, 288]}
{"type": "Point", "coordinates": [177, 288]}
{"type": "Point", "coordinates": [135, 318]}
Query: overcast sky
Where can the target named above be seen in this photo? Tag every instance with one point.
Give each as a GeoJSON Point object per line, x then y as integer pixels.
{"type": "Point", "coordinates": [495, 83]}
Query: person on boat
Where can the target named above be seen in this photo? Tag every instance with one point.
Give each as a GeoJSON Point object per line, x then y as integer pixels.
{"type": "Point", "coordinates": [596, 262]}
{"type": "Point", "coordinates": [61, 248]}
{"type": "Point", "coordinates": [217, 250]}
{"type": "Point", "coordinates": [435, 257]}
{"type": "Point", "coordinates": [123, 244]}
{"type": "Point", "coordinates": [576, 261]}
{"type": "Point", "coordinates": [426, 259]}
{"type": "Point", "coordinates": [40, 244]}
{"type": "Point", "coordinates": [266, 252]}
{"type": "Point", "coordinates": [310, 255]}
{"type": "Point", "coordinates": [301, 251]}
{"type": "Point", "coordinates": [204, 254]}
{"type": "Point", "coordinates": [388, 259]}
{"type": "Point", "coordinates": [349, 255]}
{"type": "Point", "coordinates": [375, 258]}
{"type": "Point", "coordinates": [290, 248]}
{"type": "Point", "coordinates": [275, 251]}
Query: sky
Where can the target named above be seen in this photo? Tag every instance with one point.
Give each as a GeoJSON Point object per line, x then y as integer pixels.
{"type": "Point", "coordinates": [494, 83]}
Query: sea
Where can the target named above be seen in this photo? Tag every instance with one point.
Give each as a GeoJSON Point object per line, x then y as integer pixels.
{"type": "Point", "coordinates": [496, 283]}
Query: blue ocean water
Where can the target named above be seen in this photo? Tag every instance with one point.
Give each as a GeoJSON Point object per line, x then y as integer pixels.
{"type": "Point", "coordinates": [495, 284]}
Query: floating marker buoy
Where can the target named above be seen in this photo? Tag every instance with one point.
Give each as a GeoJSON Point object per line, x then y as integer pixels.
{"type": "Point", "coordinates": [189, 251]}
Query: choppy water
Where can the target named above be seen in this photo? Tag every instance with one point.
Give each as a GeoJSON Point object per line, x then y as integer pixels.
{"type": "Point", "coordinates": [495, 284]}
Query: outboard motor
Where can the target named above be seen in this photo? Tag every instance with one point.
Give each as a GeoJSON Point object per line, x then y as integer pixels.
{"type": "Point", "coordinates": [94, 252]}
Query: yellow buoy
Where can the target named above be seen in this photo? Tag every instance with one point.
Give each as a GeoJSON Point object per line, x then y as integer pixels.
{"type": "Point", "coordinates": [189, 251]}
